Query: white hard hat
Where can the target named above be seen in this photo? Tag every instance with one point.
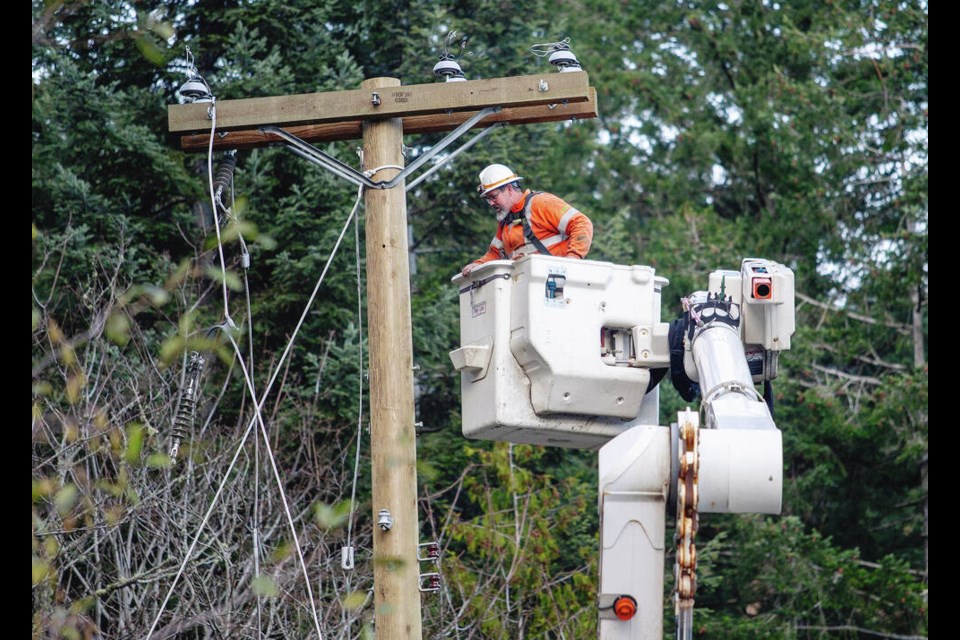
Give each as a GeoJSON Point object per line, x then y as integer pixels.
{"type": "Point", "coordinates": [495, 176]}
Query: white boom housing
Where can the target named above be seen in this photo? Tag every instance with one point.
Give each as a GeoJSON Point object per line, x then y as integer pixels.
{"type": "Point", "coordinates": [635, 472]}
{"type": "Point", "coordinates": [557, 351]}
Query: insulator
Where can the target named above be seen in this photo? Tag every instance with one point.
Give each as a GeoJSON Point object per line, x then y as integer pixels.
{"type": "Point", "coordinates": [183, 422]}
{"type": "Point", "coordinates": [449, 68]}
{"type": "Point", "coordinates": [195, 89]}
{"type": "Point", "coordinates": [687, 556]}
{"type": "Point", "coordinates": [428, 551]}
{"type": "Point", "coordinates": [184, 419]}
{"type": "Point", "coordinates": [563, 59]}
{"type": "Point", "coordinates": [429, 582]}
{"type": "Point", "coordinates": [224, 176]}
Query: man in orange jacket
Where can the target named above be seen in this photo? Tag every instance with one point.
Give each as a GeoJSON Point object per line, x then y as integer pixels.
{"type": "Point", "coordinates": [530, 221]}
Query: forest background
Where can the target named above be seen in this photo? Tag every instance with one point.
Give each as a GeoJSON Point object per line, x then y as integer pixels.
{"type": "Point", "coordinates": [792, 131]}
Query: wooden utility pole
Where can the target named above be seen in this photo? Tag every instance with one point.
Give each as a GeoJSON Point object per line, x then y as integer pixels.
{"type": "Point", "coordinates": [381, 112]}
{"type": "Point", "coordinates": [393, 443]}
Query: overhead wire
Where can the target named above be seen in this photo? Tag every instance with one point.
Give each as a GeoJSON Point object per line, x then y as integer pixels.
{"type": "Point", "coordinates": [245, 263]}
{"type": "Point", "coordinates": [276, 371]}
{"type": "Point", "coordinates": [543, 49]}
{"type": "Point", "coordinates": [229, 324]}
{"type": "Point", "coordinates": [347, 557]}
{"type": "Point", "coordinates": [215, 197]}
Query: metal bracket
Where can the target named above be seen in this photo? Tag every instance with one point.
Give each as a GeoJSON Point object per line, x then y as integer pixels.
{"type": "Point", "coordinates": [309, 152]}
{"type": "Point", "coordinates": [428, 551]}
{"type": "Point", "coordinates": [429, 582]}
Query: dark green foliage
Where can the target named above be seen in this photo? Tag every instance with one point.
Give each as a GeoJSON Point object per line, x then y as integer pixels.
{"type": "Point", "coordinates": [774, 578]}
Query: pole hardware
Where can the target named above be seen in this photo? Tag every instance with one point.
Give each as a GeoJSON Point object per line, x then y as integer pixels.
{"type": "Point", "coordinates": [384, 519]}
{"type": "Point", "coordinates": [346, 558]}
{"type": "Point", "coordinates": [309, 152]}
{"type": "Point", "coordinates": [429, 582]}
{"type": "Point", "coordinates": [428, 552]}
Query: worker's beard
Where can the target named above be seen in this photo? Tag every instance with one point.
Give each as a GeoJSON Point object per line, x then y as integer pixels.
{"type": "Point", "coordinates": [502, 213]}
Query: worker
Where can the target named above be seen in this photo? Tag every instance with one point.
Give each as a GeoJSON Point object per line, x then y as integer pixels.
{"type": "Point", "coordinates": [529, 221]}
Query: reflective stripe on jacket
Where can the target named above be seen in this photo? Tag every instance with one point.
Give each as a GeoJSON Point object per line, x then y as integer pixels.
{"type": "Point", "coordinates": [562, 229]}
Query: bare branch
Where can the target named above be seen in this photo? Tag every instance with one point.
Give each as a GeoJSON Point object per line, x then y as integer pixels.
{"type": "Point", "coordinates": [850, 377]}
{"type": "Point", "coordinates": [904, 329]}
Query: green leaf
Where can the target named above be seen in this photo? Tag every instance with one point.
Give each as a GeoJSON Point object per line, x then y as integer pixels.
{"type": "Point", "coordinates": [354, 600]}
{"type": "Point", "coordinates": [219, 276]}
{"type": "Point", "coordinates": [118, 328]}
{"type": "Point", "coordinates": [330, 517]}
{"type": "Point", "coordinates": [265, 586]}
{"type": "Point", "coordinates": [148, 46]}
{"type": "Point", "coordinates": [172, 348]}
{"type": "Point", "coordinates": [135, 433]}
{"type": "Point", "coordinates": [66, 498]}
{"type": "Point", "coordinates": [41, 569]}
{"type": "Point", "coordinates": [158, 460]}
{"type": "Point", "coordinates": [158, 296]}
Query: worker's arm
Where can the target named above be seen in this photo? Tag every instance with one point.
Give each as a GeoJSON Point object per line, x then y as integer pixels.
{"type": "Point", "coordinates": [493, 253]}
{"type": "Point", "coordinates": [568, 220]}
{"type": "Point", "coordinates": [580, 230]}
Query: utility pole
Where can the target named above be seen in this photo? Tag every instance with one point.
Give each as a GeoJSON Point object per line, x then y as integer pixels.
{"type": "Point", "coordinates": [381, 112]}
{"type": "Point", "coordinates": [393, 444]}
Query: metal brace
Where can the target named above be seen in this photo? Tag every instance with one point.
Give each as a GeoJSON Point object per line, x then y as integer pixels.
{"type": "Point", "coordinates": [309, 152]}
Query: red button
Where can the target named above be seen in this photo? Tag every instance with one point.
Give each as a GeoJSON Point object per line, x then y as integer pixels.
{"type": "Point", "coordinates": [625, 607]}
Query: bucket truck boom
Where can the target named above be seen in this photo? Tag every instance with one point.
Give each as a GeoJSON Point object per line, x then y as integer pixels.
{"type": "Point", "coordinates": [568, 353]}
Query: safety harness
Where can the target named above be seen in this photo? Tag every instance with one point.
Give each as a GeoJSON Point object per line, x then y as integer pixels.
{"type": "Point", "coordinates": [528, 234]}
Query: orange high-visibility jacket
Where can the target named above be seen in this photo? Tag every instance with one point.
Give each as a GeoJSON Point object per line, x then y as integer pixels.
{"type": "Point", "coordinates": [562, 229]}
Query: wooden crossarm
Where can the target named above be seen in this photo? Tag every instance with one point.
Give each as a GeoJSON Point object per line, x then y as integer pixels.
{"type": "Point", "coordinates": [434, 123]}
{"type": "Point", "coordinates": [386, 102]}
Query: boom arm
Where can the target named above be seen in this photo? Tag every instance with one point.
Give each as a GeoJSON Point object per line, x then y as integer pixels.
{"type": "Point", "coordinates": [732, 335]}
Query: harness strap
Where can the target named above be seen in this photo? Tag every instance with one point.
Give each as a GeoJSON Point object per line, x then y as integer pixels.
{"type": "Point", "coordinates": [528, 233]}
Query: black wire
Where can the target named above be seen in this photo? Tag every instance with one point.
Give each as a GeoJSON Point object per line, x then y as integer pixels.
{"type": "Point", "coordinates": [768, 395]}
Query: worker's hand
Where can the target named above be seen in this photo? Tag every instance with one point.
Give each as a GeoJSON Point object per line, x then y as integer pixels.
{"type": "Point", "coordinates": [467, 269]}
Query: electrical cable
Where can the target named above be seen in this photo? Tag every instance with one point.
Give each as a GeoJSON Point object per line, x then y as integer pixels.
{"type": "Point", "coordinates": [356, 463]}
{"type": "Point", "coordinates": [245, 263]}
{"type": "Point", "coordinates": [546, 48]}
{"type": "Point", "coordinates": [259, 405]}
